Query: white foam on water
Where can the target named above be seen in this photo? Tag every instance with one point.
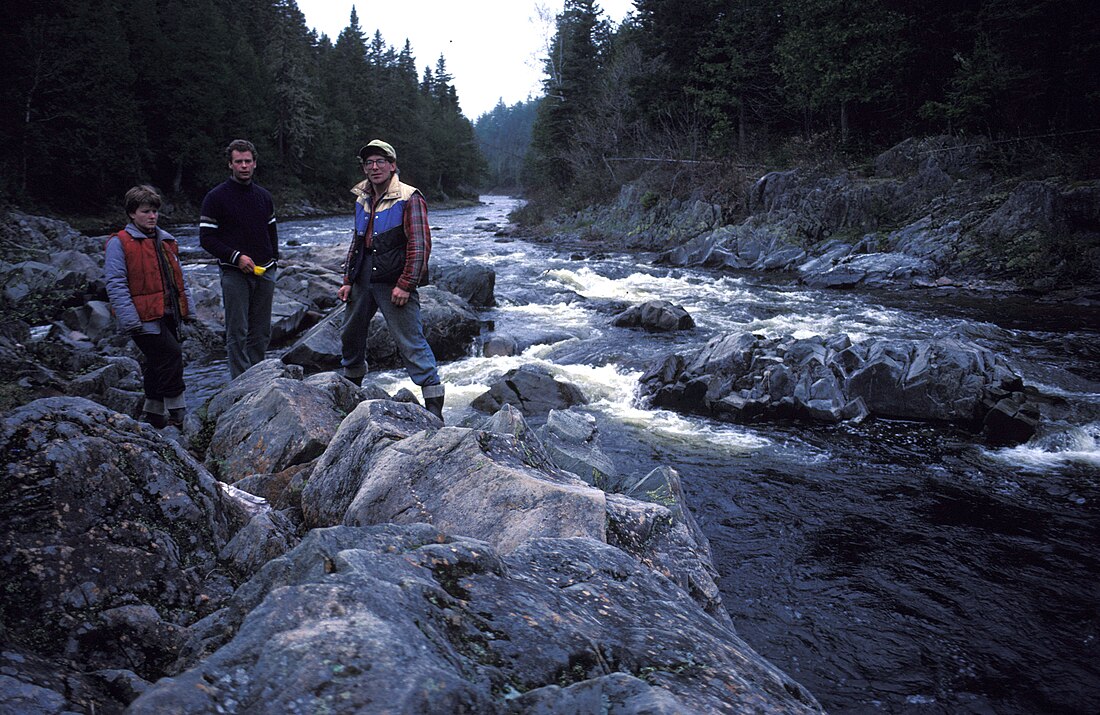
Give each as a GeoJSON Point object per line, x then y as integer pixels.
{"type": "Point", "coordinates": [1066, 446]}
{"type": "Point", "coordinates": [1055, 391]}
{"type": "Point", "coordinates": [613, 391]}
{"type": "Point", "coordinates": [505, 257]}
{"type": "Point", "coordinates": [802, 326]}
{"type": "Point", "coordinates": [592, 285]}
{"type": "Point", "coordinates": [609, 390]}
{"type": "Point", "coordinates": [559, 315]}
{"type": "Point", "coordinates": [693, 434]}
{"type": "Point", "coordinates": [884, 316]}
{"type": "Point", "coordinates": [640, 287]}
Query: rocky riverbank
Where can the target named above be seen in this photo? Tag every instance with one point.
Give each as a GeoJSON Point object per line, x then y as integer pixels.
{"type": "Point", "coordinates": [390, 562]}
{"type": "Point", "coordinates": [934, 213]}
{"type": "Point", "coordinates": [57, 324]}
{"type": "Point", "coordinates": [304, 543]}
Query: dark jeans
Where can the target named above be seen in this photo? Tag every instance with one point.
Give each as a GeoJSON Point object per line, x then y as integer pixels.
{"type": "Point", "coordinates": [247, 301]}
{"type": "Point", "coordinates": [404, 325]}
{"type": "Point", "coordinates": [162, 370]}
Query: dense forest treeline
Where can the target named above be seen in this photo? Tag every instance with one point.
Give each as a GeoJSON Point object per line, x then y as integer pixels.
{"type": "Point", "coordinates": [750, 82]}
{"type": "Point", "coordinates": [103, 94]}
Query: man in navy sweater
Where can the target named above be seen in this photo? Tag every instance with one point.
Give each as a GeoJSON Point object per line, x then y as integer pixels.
{"type": "Point", "coordinates": [238, 228]}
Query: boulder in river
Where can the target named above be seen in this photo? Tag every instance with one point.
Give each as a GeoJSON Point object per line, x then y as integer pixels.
{"type": "Point", "coordinates": [499, 346]}
{"type": "Point", "coordinates": [450, 326]}
{"type": "Point", "coordinates": [747, 378]}
{"type": "Point", "coordinates": [339, 472]}
{"type": "Point", "coordinates": [473, 282]}
{"type": "Point", "coordinates": [388, 464]}
{"type": "Point", "coordinates": [285, 422]}
{"type": "Point", "coordinates": [870, 270]}
{"type": "Point", "coordinates": [116, 384]}
{"type": "Point", "coordinates": [571, 440]}
{"type": "Point", "coordinates": [656, 316]}
{"type": "Point", "coordinates": [532, 389]}
{"type": "Point", "coordinates": [428, 617]}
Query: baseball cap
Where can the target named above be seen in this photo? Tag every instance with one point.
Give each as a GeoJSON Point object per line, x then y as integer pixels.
{"type": "Point", "coordinates": [377, 146]}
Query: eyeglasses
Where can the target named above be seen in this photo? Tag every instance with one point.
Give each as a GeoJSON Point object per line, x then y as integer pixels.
{"type": "Point", "coordinates": [374, 162]}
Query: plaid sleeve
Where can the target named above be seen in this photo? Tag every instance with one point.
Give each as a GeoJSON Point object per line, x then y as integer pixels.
{"type": "Point", "coordinates": [419, 242]}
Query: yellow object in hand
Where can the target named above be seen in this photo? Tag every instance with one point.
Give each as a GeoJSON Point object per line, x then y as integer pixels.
{"type": "Point", "coordinates": [259, 270]}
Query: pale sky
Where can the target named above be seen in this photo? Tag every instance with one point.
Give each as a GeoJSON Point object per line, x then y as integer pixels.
{"type": "Point", "coordinates": [493, 48]}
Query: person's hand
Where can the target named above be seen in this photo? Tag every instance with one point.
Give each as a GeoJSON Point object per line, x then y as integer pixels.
{"type": "Point", "coordinates": [246, 264]}
{"type": "Point", "coordinates": [343, 292]}
{"type": "Point", "coordinates": [399, 296]}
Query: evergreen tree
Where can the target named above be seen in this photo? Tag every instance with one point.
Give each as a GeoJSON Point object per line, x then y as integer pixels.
{"type": "Point", "coordinates": [671, 33]}
{"type": "Point", "coordinates": [76, 108]}
{"type": "Point", "coordinates": [345, 78]}
{"type": "Point", "coordinates": [1026, 66]}
{"type": "Point", "coordinates": [289, 57]}
{"type": "Point", "coordinates": [120, 91]}
{"type": "Point", "coordinates": [407, 115]}
{"type": "Point", "coordinates": [504, 135]}
{"type": "Point", "coordinates": [575, 58]}
{"type": "Point", "coordinates": [455, 165]}
{"type": "Point", "coordinates": [732, 81]}
{"type": "Point", "coordinates": [833, 54]}
{"type": "Point", "coordinates": [184, 77]}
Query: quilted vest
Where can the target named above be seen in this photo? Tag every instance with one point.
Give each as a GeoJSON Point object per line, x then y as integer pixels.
{"type": "Point", "coordinates": [144, 277]}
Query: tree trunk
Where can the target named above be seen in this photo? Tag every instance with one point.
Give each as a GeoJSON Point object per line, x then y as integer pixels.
{"type": "Point", "coordinates": [741, 138]}
{"type": "Point", "coordinates": [844, 122]}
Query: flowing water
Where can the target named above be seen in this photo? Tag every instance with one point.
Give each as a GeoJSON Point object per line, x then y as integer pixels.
{"type": "Point", "coordinates": [891, 567]}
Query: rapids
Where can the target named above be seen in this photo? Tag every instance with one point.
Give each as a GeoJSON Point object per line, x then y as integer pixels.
{"type": "Point", "coordinates": [889, 566]}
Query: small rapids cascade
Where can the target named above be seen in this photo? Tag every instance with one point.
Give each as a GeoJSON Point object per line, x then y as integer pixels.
{"type": "Point", "coordinates": [889, 565]}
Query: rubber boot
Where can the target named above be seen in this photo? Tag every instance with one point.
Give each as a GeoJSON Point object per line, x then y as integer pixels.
{"type": "Point", "coordinates": [154, 414]}
{"type": "Point", "coordinates": [155, 419]}
{"type": "Point", "coordinates": [177, 410]}
{"type": "Point", "coordinates": [434, 403]}
{"type": "Point", "coordinates": [435, 406]}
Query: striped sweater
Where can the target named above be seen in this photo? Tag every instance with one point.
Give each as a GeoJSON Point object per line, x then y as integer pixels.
{"type": "Point", "coordinates": [239, 218]}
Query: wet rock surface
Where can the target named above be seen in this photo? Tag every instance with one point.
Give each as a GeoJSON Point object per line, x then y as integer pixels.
{"type": "Point", "coordinates": [531, 389]}
{"type": "Point", "coordinates": [747, 378]}
{"type": "Point", "coordinates": [122, 556]}
{"type": "Point", "coordinates": [553, 623]}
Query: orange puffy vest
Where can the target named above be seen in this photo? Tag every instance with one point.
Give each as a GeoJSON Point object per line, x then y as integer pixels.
{"type": "Point", "coordinates": [144, 277]}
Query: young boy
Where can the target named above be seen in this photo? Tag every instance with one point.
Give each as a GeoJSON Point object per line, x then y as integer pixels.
{"type": "Point", "coordinates": [150, 301]}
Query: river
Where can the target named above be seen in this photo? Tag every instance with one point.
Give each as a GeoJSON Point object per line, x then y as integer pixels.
{"type": "Point", "coordinates": [890, 567]}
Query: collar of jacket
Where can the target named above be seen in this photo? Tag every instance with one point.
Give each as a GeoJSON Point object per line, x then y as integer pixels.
{"type": "Point", "coordinates": [362, 189]}
{"type": "Point", "coordinates": [137, 233]}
